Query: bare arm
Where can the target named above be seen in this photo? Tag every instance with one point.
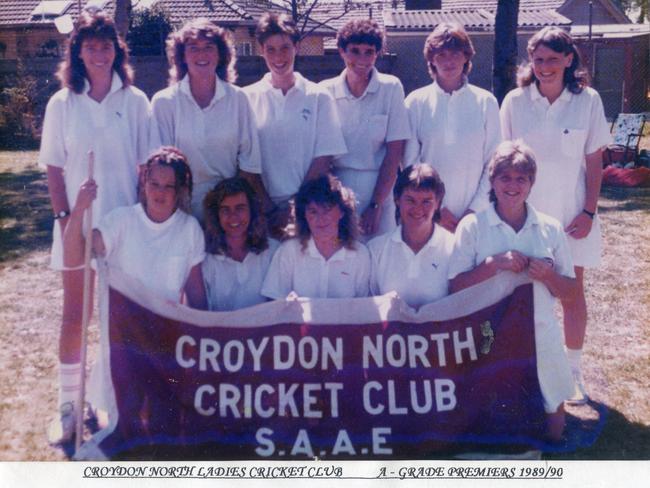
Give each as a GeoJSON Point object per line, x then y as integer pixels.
{"type": "Point", "coordinates": [560, 286]}
{"type": "Point", "coordinates": [385, 181]}
{"type": "Point", "coordinates": [195, 289]}
{"type": "Point", "coordinates": [58, 196]}
{"type": "Point", "coordinates": [508, 261]}
{"type": "Point", "coordinates": [73, 238]}
{"type": "Point", "coordinates": [320, 166]}
{"type": "Point", "coordinates": [580, 226]}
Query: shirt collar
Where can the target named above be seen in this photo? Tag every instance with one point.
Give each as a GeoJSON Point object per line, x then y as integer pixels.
{"type": "Point", "coordinates": [462, 88]}
{"type": "Point", "coordinates": [116, 84]}
{"type": "Point", "coordinates": [313, 252]}
{"type": "Point", "coordinates": [219, 91]}
{"type": "Point", "coordinates": [341, 89]}
{"type": "Point", "coordinates": [531, 217]}
{"type": "Point", "coordinates": [299, 84]}
{"type": "Point", "coordinates": [396, 236]}
{"type": "Point", "coordinates": [535, 94]}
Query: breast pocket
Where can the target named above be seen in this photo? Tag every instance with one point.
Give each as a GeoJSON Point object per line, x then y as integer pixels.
{"type": "Point", "coordinates": [572, 142]}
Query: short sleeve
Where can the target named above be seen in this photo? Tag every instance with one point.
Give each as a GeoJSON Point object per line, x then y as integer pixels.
{"type": "Point", "coordinates": [52, 152]}
{"type": "Point", "coordinates": [363, 274]}
{"type": "Point", "coordinates": [463, 256]}
{"type": "Point", "coordinates": [505, 115]}
{"type": "Point", "coordinates": [197, 248]}
{"type": "Point", "coordinates": [279, 277]}
{"type": "Point", "coordinates": [599, 134]}
{"type": "Point", "coordinates": [329, 138]}
{"type": "Point", "coordinates": [111, 228]}
{"type": "Point", "coordinates": [398, 120]}
{"type": "Point", "coordinates": [248, 155]}
{"type": "Point", "coordinates": [162, 121]}
{"type": "Point", "coordinates": [413, 146]}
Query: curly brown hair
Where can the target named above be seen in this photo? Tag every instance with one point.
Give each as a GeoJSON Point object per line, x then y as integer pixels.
{"type": "Point", "coordinates": [576, 77]}
{"type": "Point", "coordinates": [448, 35]}
{"type": "Point", "coordinates": [201, 28]}
{"type": "Point", "coordinates": [361, 31]}
{"type": "Point", "coordinates": [327, 191]}
{"type": "Point", "coordinates": [98, 25]}
{"type": "Point", "coordinates": [419, 177]}
{"type": "Point", "coordinates": [215, 237]}
{"type": "Point", "coordinates": [170, 157]}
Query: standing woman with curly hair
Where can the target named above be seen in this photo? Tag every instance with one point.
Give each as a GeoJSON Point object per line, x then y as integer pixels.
{"type": "Point", "coordinates": [556, 113]}
{"type": "Point", "coordinates": [325, 260]}
{"type": "Point", "coordinates": [239, 251]}
{"type": "Point", "coordinates": [97, 110]}
{"type": "Point", "coordinates": [203, 114]}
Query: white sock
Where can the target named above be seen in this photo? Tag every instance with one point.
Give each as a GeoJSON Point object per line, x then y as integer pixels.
{"type": "Point", "coordinates": [575, 359]}
{"type": "Point", "coordinates": [69, 383]}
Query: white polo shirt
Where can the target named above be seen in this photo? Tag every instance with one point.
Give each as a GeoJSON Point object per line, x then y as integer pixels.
{"type": "Point", "coordinates": [370, 121]}
{"type": "Point", "coordinates": [230, 284]}
{"type": "Point", "coordinates": [560, 135]}
{"type": "Point", "coordinates": [217, 140]}
{"type": "Point", "coordinates": [417, 278]}
{"type": "Point", "coordinates": [160, 255]}
{"type": "Point", "coordinates": [309, 274]}
{"type": "Point", "coordinates": [457, 134]}
{"type": "Point", "coordinates": [116, 130]}
{"type": "Point", "coordinates": [485, 234]}
{"type": "Point", "coordinates": [293, 129]}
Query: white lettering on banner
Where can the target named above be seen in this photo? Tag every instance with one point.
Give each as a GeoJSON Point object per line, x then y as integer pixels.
{"type": "Point", "coordinates": [287, 353]}
{"type": "Point", "coordinates": [398, 350]}
{"type": "Point", "coordinates": [375, 398]}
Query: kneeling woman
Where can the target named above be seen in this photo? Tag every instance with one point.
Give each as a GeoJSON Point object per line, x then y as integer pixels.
{"type": "Point", "coordinates": [325, 260]}
{"type": "Point", "coordinates": [413, 259]}
{"type": "Point", "coordinates": [155, 241]}
{"type": "Point", "coordinates": [239, 252]}
{"type": "Point", "coordinates": [511, 235]}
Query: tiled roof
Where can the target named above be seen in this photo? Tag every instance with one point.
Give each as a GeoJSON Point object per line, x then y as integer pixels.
{"type": "Point", "coordinates": [20, 11]}
{"type": "Point", "coordinates": [413, 20]}
{"type": "Point", "coordinates": [215, 10]}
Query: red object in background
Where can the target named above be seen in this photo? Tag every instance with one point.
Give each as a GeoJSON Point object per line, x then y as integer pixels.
{"type": "Point", "coordinates": [631, 177]}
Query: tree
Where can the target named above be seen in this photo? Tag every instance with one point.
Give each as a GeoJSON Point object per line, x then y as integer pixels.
{"type": "Point", "coordinates": [121, 16]}
{"type": "Point", "coordinates": [302, 12]}
{"type": "Point", "coordinates": [505, 48]}
{"type": "Point", "coordinates": [148, 30]}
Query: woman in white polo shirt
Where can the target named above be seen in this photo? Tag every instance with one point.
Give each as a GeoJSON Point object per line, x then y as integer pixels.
{"type": "Point", "coordinates": [97, 110]}
{"type": "Point", "coordinates": [296, 119]}
{"type": "Point", "coordinates": [413, 259]}
{"type": "Point", "coordinates": [239, 251]}
{"type": "Point", "coordinates": [203, 114]}
{"type": "Point", "coordinates": [325, 260]}
{"type": "Point", "coordinates": [511, 235]}
{"type": "Point", "coordinates": [562, 119]}
{"type": "Point", "coordinates": [454, 125]}
{"type": "Point", "coordinates": [375, 125]}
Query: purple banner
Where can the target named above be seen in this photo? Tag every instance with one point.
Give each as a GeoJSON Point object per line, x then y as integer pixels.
{"type": "Point", "coordinates": [383, 390]}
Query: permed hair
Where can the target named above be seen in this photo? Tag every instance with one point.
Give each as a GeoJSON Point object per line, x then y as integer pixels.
{"type": "Point", "coordinates": [170, 157]}
{"type": "Point", "coordinates": [97, 25]}
{"type": "Point", "coordinates": [271, 24]}
{"type": "Point", "coordinates": [361, 31]}
{"type": "Point", "coordinates": [512, 155]}
{"type": "Point", "coordinates": [576, 77]}
{"type": "Point", "coordinates": [419, 177]}
{"type": "Point", "coordinates": [327, 191]}
{"type": "Point", "coordinates": [448, 35]}
{"type": "Point", "coordinates": [215, 236]}
{"type": "Point", "coordinates": [201, 28]}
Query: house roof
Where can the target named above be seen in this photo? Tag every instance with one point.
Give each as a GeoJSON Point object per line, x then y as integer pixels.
{"type": "Point", "coordinates": [19, 12]}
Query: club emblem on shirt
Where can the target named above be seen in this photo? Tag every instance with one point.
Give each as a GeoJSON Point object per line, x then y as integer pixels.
{"type": "Point", "coordinates": [306, 113]}
{"type": "Point", "coordinates": [435, 266]}
{"type": "Point", "coordinates": [488, 337]}
{"type": "Point", "coordinates": [118, 114]}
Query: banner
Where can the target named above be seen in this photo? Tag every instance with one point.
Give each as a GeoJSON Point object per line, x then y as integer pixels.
{"type": "Point", "coordinates": [327, 379]}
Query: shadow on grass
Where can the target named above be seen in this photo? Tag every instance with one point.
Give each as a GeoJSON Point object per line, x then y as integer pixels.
{"type": "Point", "coordinates": [624, 199]}
{"type": "Point", "coordinates": [608, 436]}
{"type": "Point", "coordinates": [25, 213]}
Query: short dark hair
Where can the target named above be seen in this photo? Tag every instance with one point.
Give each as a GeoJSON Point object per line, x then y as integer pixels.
{"type": "Point", "coordinates": [271, 24]}
{"type": "Point", "coordinates": [328, 191]}
{"type": "Point", "coordinates": [97, 25]}
{"type": "Point", "coordinates": [201, 28]}
{"type": "Point", "coordinates": [512, 155]}
{"type": "Point", "coordinates": [215, 237]}
{"type": "Point", "coordinates": [576, 77]}
{"type": "Point", "coordinates": [361, 31]}
{"type": "Point", "coordinates": [448, 35]}
{"type": "Point", "coordinates": [169, 156]}
{"type": "Point", "coordinates": [419, 177]}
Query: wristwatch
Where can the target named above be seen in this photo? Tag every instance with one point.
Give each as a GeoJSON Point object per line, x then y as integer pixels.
{"type": "Point", "coordinates": [590, 214]}
{"type": "Point", "coordinates": [62, 214]}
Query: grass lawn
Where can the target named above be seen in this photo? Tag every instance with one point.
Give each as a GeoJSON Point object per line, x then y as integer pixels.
{"type": "Point", "coordinates": [617, 354]}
